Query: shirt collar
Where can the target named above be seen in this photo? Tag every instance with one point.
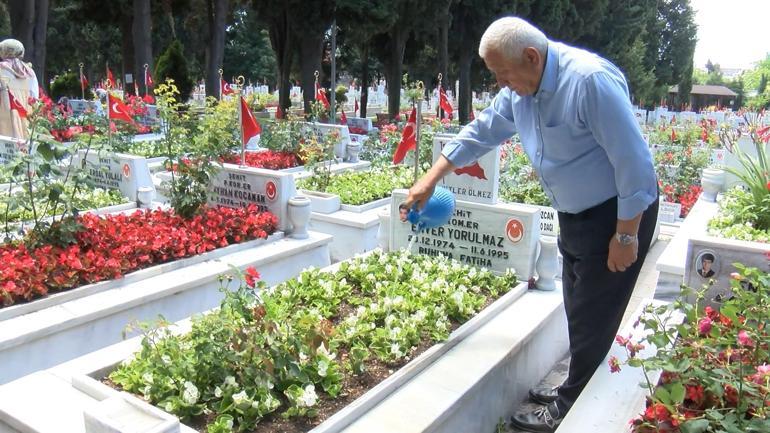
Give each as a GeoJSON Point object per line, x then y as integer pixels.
{"type": "Point", "coordinates": [551, 70]}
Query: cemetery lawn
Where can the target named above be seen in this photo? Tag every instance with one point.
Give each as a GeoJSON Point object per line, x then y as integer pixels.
{"type": "Point", "coordinates": [289, 359]}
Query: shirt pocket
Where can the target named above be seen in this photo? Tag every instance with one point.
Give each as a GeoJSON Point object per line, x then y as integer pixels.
{"type": "Point", "coordinates": [563, 143]}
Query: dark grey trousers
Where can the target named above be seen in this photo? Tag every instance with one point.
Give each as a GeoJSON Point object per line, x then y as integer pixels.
{"type": "Point", "coordinates": [594, 298]}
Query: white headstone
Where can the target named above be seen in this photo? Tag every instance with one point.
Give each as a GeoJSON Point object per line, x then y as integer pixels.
{"type": "Point", "coordinates": [359, 124]}
{"type": "Point", "coordinates": [80, 106]}
{"type": "Point", "coordinates": [270, 190]}
{"type": "Point", "coordinates": [477, 182]}
{"type": "Point", "coordinates": [549, 221]}
{"type": "Point", "coordinates": [126, 173]}
{"type": "Point", "coordinates": [323, 129]}
{"type": "Point", "coordinates": [497, 237]}
{"type": "Point", "coordinates": [10, 147]}
{"type": "Point", "coordinates": [669, 212]}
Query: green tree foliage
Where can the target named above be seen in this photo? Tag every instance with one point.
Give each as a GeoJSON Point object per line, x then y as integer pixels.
{"type": "Point", "coordinates": [762, 86]}
{"type": "Point", "coordinates": [68, 85]}
{"type": "Point", "coordinates": [670, 55]}
{"type": "Point", "coordinates": [247, 51]}
{"type": "Point", "coordinates": [5, 23]}
{"type": "Point", "coordinates": [173, 64]}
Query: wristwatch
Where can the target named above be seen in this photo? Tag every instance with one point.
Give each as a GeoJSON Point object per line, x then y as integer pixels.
{"type": "Point", "coordinates": [625, 238]}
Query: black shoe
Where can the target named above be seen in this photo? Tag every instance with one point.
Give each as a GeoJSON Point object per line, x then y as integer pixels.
{"type": "Point", "coordinates": [543, 419]}
{"type": "Point", "coordinates": [544, 395]}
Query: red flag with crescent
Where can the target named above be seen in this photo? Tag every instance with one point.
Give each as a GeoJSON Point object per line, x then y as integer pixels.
{"type": "Point", "coordinates": [16, 105]}
{"type": "Point", "coordinates": [148, 78]}
{"type": "Point", "coordinates": [117, 110]}
{"type": "Point", "coordinates": [408, 138]}
{"type": "Point", "coordinates": [355, 108]}
{"type": "Point", "coordinates": [225, 87]}
{"type": "Point", "coordinates": [279, 112]}
{"type": "Point", "coordinates": [343, 118]}
{"type": "Point", "coordinates": [250, 126]}
{"type": "Point", "coordinates": [443, 101]}
{"type": "Point", "coordinates": [110, 79]}
{"type": "Point", "coordinates": [320, 95]}
{"type": "Point", "coordinates": [83, 81]}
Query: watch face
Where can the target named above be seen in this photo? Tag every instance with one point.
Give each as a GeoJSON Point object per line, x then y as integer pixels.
{"type": "Point", "coordinates": [625, 239]}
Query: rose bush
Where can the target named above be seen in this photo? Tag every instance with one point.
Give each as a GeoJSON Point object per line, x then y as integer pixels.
{"type": "Point", "coordinates": [715, 376]}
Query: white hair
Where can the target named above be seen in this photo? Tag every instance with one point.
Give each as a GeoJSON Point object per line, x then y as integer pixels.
{"type": "Point", "coordinates": [509, 36]}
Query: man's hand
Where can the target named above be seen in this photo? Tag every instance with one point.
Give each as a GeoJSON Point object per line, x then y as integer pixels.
{"type": "Point", "coordinates": [621, 257]}
{"type": "Point", "coordinates": [421, 191]}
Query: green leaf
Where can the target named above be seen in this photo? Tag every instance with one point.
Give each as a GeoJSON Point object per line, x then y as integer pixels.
{"type": "Point", "coordinates": [46, 151]}
{"type": "Point", "coordinates": [677, 393]}
{"type": "Point", "coordinates": [55, 192]}
{"type": "Point", "coordinates": [694, 426]}
{"type": "Point", "coordinates": [663, 395]}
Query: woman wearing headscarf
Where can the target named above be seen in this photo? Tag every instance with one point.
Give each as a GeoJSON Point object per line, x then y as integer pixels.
{"type": "Point", "coordinates": [18, 78]}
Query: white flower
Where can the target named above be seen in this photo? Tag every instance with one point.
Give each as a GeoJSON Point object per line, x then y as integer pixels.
{"type": "Point", "coordinates": [217, 392]}
{"type": "Point", "coordinates": [169, 407]}
{"type": "Point", "coordinates": [190, 394]}
{"type": "Point", "coordinates": [285, 293]}
{"type": "Point", "coordinates": [398, 300]}
{"type": "Point", "coordinates": [240, 397]}
{"type": "Point", "coordinates": [302, 357]}
{"type": "Point", "coordinates": [419, 315]}
{"type": "Point", "coordinates": [147, 389]}
{"type": "Point", "coordinates": [166, 359]}
{"type": "Point", "coordinates": [458, 297]}
{"type": "Point", "coordinates": [323, 366]}
{"type": "Point", "coordinates": [147, 377]}
{"type": "Point", "coordinates": [325, 352]}
{"type": "Point", "coordinates": [389, 319]}
{"type": "Point", "coordinates": [472, 273]}
{"type": "Point", "coordinates": [395, 349]}
{"type": "Point", "coordinates": [230, 380]}
{"type": "Point", "coordinates": [389, 269]}
{"type": "Point", "coordinates": [309, 397]}
{"type": "Point", "coordinates": [394, 332]}
{"type": "Point", "coordinates": [343, 282]}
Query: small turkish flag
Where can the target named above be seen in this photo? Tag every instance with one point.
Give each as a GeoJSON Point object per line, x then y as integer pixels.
{"type": "Point", "coordinates": [148, 78]}
{"type": "Point", "coordinates": [343, 118]}
{"type": "Point", "coordinates": [408, 138]}
{"type": "Point", "coordinates": [16, 105]}
{"type": "Point", "coordinates": [443, 101]}
{"type": "Point", "coordinates": [117, 110]}
{"type": "Point", "coordinates": [249, 124]}
{"type": "Point", "coordinates": [473, 116]}
{"type": "Point", "coordinates": [110, 79]}
{"type": "Point", "coordinates": [225, 88]}
{"type": "Point", "coordinates": [83, 81]}
{"type": "Point", "coordinates": [320, 95]}
{"type": "Point", "coordinates": [279, 112]}
{"type": "Point", "coordinates": [355, 108]}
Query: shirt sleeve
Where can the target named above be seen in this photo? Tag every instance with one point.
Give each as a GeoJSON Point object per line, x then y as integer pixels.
{"type": "Point", "coordinates": [493, 125]}
{"type": "Point", "coordinates": [606, 110]}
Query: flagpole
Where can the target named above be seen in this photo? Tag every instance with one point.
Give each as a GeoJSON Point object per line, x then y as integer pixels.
{"type": "Point", "coordinates": [82, 89]}
{"type": "Point", "coordinates": [221, 90]}
{"type": "Point", "coordinates": [417, 123]}
{"type": "Point", "coordinates": [239, 81]}
{"type": "Point", "coordinates": [146, 87]}
{"type": "Point", "coordinates": [440, 114]}
{"type": "Point", "coordinates": [334, 72]}
{"type": "Point", "coordinates": [108, 85]}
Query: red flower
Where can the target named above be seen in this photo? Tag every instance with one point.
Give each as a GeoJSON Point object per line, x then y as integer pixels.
{"type": "Point", "coordinates": [704, 326]}
{"type": "Point", "coordinates": [614, 364]}
{"type": "Point", "coordinates": [251, 276]}
{"type": "Point", "coordinates": [744, 339]}
{"type": "Point", "coordinates": [695, 393]}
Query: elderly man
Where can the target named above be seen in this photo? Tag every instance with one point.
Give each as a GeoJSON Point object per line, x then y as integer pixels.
{"type": "Point", "coordinates": [18, 78]}
{"type": "Point", "coordinates": [571, 109]}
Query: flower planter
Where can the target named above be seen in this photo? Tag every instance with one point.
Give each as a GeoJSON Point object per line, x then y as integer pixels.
{"type": "Point", "coordinates": [682, 260]}
{"type": "Point", "coordinates": [321, 202]}
{"type": "Point", "coordinates": [41, 333]}
{"type": "Point", "coordinates": [467, 392]}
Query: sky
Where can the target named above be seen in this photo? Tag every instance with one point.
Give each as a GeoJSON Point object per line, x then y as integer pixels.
{"type": "Point", "coordinates": [732, 33]}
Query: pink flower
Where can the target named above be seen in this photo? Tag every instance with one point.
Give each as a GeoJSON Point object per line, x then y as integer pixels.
{"type": "Point", "coordinates": [744, 339]}
{"type": "Point", "coordinates": [614, 364]}
{"type": "Point", "coordinates": [762, 375]}
{"type": "Point", "coordinates": [704, 326]}
{"type": "Point", "coordinates": [622, 341]}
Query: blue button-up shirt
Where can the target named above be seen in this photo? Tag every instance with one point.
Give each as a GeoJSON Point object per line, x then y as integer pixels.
{"type": "Point", "coordinates": [578, 130]}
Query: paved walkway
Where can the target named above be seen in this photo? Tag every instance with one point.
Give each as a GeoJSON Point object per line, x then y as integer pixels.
{"type": "Point", "coordinates": [645, 289]}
